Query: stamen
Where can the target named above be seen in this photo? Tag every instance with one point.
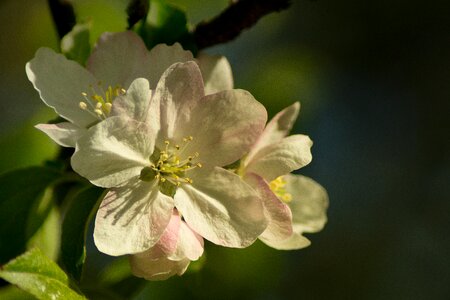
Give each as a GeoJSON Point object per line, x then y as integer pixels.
{"type": "Point", "coordinates": [82, 105]}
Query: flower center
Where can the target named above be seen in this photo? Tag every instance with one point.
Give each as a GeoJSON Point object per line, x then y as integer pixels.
{"type": "Point", "coordinates": [169, 166]}
{"type": "Point", "coordinates": [278, 187]}
{"type": "Point", "coordinates": [99, 102]}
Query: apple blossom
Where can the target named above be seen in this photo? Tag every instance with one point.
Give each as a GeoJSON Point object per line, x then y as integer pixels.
{"type": "Point", "coordinates": [166, 148]}
{"type": "Point", "coordinates": [294, 204]}
{"type": "Point", "coordinates": [84, 96]}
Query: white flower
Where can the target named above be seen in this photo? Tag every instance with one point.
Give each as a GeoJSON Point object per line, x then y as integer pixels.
{"type": "Point", "coordinates": [294, 204]}
{"type": "Point", "coordinates": [169, 154]}
{"type": "Point", "coordinates": [85, 96]}
{"type": "Point", "coordinates": [177, 247]}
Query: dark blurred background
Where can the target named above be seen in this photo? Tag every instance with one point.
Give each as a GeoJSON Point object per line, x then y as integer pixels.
{"type": "Point", "coordinates": [373, 80]}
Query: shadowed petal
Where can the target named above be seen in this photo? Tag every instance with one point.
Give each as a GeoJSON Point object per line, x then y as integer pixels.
{"type": "Point", "coordinates": [60, 83]}
{"type": "Point", "coordinates": [309, 204]}
{"type": "Point", "coordinates": [119, 58]}
{"type": "Point", "coordinates": [216, 72]}
{"type": "Point", "coordinates": [132, 218]}
{"type": "Point", "coordinates": [278, 213]}
{"type": "Point", "coordinates": [144, 266]}
{"type": "Point", "coordinates": [64, 134]}
{"type": "Point", "coordinates": [274, 160]}
{"type": "Point", "coordinates": [162, 56]}
{"type": "Point", "coordinates": [278, 127]}
{"type": "Point", "coordinates": [178, 91]}
{"type": "Point", "coordinates": [222, 208]}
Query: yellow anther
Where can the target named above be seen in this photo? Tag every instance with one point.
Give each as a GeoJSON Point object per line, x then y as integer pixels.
{"type": "Point", "coordinates": [177, 147]}
{"type": "Point", "coordinates": [98, 105]}
{"type": "Point", "coordinates": [98, 112]}
{"type": "Point", "coordinates": [83, 94]}
{"type": "Point", "coordinates": [167, 143]}
{"type": "Point", "coordinates": [123, 91]}
{"type": "Point", "coordinates": [189, 180]}
{"type": "Point", "coordinates": [82, 105]}
{"type": "Point", "coordinates": [190, 138]}
{"type": "Point", "coordinates": [199, 165]}
{"type": "Point", "coordinates": [163, 179]}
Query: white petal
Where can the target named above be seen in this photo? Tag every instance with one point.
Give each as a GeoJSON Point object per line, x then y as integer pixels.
{"type": "Point", "coordinates": [132, 218]}
{"type": "Point", "coordinates": [274, 160]}
{"type": "Point", "coordinates": [119, 58]}
{"type": "Point", "coordinates": [278, 213]}
{"type": "Point", "coordinates": [162, 56]}
{"type": "Point", "coordinates": [60, 83]}
{"type": "Point", "coordinates": [224, 126]}
{"type": "Point", "coordinates": [178, 91]}
{"type": "Point", "coordinates": [135, 103]}
{"type": "Point", "coordinates": [113, 151]}
{"type": "Point", "coordinates": [143, 265]}
{"type": "Point", "coordinates": [309, 203]}
{"type": "Point", "coordinates": [222, 208]}
{"type": "Point", "coordinates": [216, 72]}
{"type": "Point", "coordinates": [190, 244]}
{"type": "Point", "coordinates": [64, 134]}
{"type": "Point", "coordinates": [278, 127]}
{"type": "Point", "coordinates": [294, 242]}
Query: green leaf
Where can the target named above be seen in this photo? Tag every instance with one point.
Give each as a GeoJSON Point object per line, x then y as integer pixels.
{"type": "Point", "coordinates": [76, 221]}
{"type": "Point", "coordinates": [48, 237]}
{"type": "Point", "coordinates": [20, 195]}
{"type": "Point", "coordinates": [75, 45]}
{"type": "Point", "coordinates": [167, 24]}
{"type": "Point", "coordinates": [39, 276]}
{"type": "Point", "coordinates": [12, 292]}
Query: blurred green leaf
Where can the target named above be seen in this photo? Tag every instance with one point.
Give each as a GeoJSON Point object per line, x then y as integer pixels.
{"type": "Point", "coordinates": [167, 24]}
{"type": "Point", "coordinates": [38, 275]}
{"type": "Point", "coordinates": [103, 15]}
{"type": "Point", "coordinates": [79, 213]}
{"type": "Point", "coordinates": [75, 45]}
{"type": "Point", "coordinates": [20, 192]}
{"type": "Point", "coordinates": [12, 292]}
{"type": "Point", "coordinates": [48, 237]}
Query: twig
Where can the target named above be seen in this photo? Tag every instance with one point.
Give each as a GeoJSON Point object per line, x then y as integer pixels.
{"type": "Point", "coordinates": [63, 16]}
{"type": "Point", "coordinates": [233, 20]}
{"type": "Point", "coordinates": [137, 10]}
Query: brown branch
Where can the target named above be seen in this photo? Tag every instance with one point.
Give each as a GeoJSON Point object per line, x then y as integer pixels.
{"type": "Point", "coordinates": [239, 16]}
{"type": "Point", "coordinates": [63, 16]}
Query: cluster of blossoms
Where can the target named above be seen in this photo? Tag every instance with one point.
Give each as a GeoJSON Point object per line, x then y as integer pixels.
{"type": "Point", "coordinates": [184, 156]}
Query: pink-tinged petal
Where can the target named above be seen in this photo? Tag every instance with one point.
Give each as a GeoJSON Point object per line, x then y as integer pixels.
{"type": "Point", "coordinates": [113, 151]}
{"type": "Point", "coordinates": [216, 72]}
{"type": "Point", "coordinates": [143, 265]}
{"type": "Point", "coordinates": [178, 90]}
{"type": "Point", "coordinates": [64, 134]}
{"type": "Point", "coordinates": [222, 208]}
{"type": "Point", "coordinates": [60, 83]}
{"type": "Point", "coordinates": [224, 127]}
{"type": "Point", "coordinates": [132, 218]}
{"type": "Point", "coordinates": [119, 58]}
{"type": "Point", "coordinates": [309, 203]}
{"type": "Point", "coordinates": [278, 127]}
{"type": "Point", "coordinates": [278, 213]}
{"type": "Point", "coordinates": [274, 160]}
{"type": "Point", "coordinates": [136, 103]}
{"type": "Point", "coordinates": [162, 56]}
{"type": "Point", "coordinates": [294, 242]}
{"type": "Point", "coordinates": [190, 244]}
{"type": "Point", "coordinates": [169, 240]}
